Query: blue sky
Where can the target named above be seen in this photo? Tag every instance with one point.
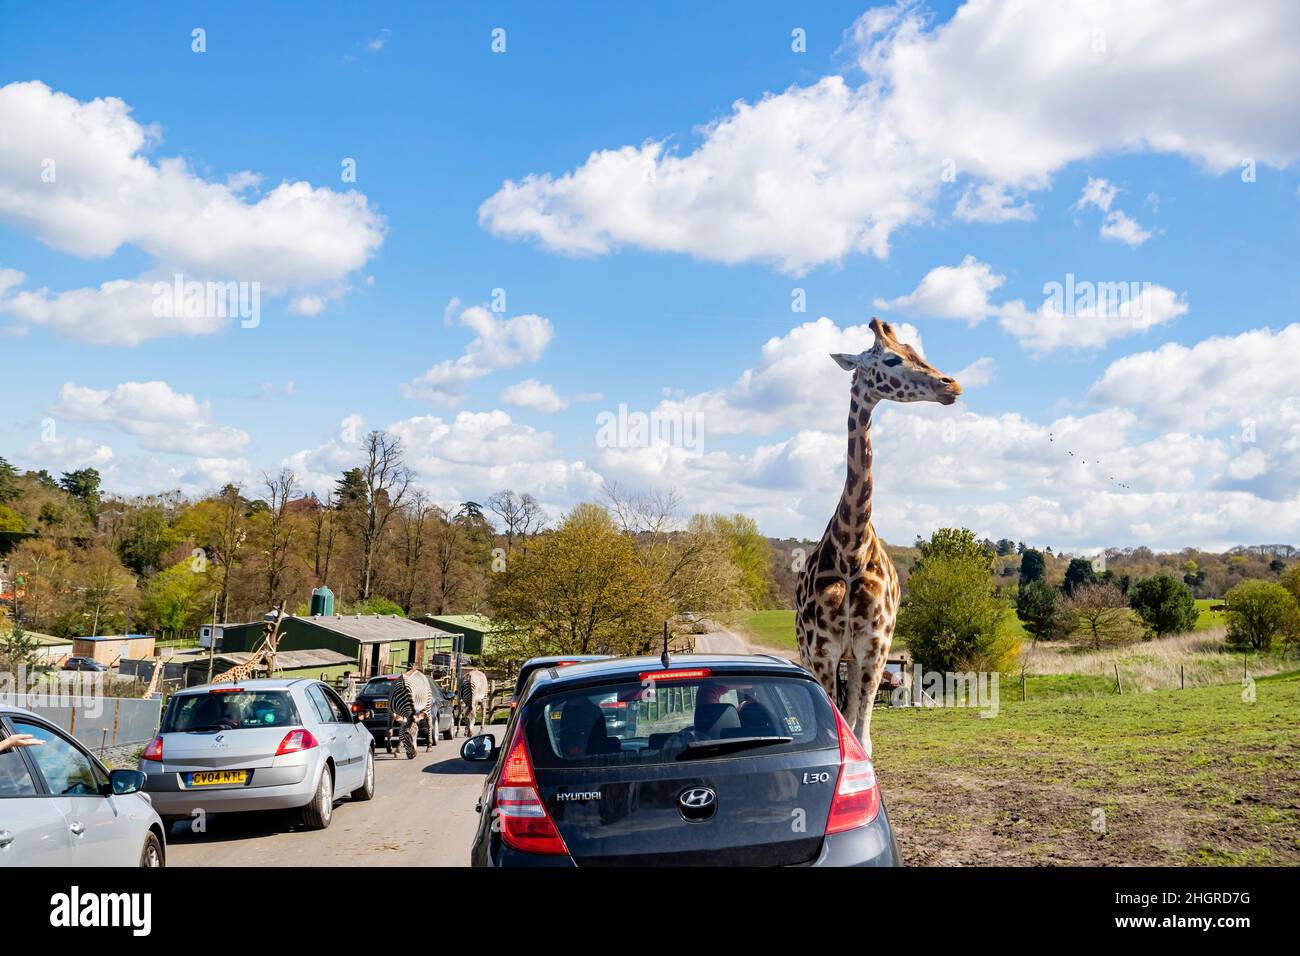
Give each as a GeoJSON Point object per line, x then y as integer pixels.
{"type": "Point", "coordinates": [648, 190]}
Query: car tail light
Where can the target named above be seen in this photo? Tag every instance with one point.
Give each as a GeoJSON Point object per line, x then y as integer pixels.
{"type": "Point", "coordinates": [295, 741]}
{"type": "Point", "coordinates": [690, 673]}
{"type": "Point", "coordinates": [153, 751]}
{"type": "Point", "coordinates": [226, 690]}
{"type": "Point", "coordinates": [857, 797]}
{"type": "Point", "coordinates": [525, 824]}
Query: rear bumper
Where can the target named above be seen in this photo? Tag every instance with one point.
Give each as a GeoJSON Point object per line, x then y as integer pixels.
{"type": "Point", "coordinates": [871, 845]}
{"type": "Point", "coordinates": [271, 788]}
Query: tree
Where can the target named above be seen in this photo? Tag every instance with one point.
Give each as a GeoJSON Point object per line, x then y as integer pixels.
{"type": "Point", "coordinates": [951, 616]}
{"type": "Point", "coordinates": [1038, 607]}
{"type": "Point", "coordinates": [1078, 573]}
{"type": "Point", "coordinates": [10, 520]}
{"type": "Point", "coordinates": [386, 480]}
{"type": "Point", "coordinates": [578, 589]}
{"type": "Point", "coordinates": [277, 529]}
{"type": "Point", "coordinates": [1033, 566]}
{"type": "Point", "coordinates": [750, 552]}
{"type": "Point", "coordinates": [413, 522]}
{"type": "Point", "coordinates": [175, 600]}
{"type": "Point", "coordinates": [17, 650]}
{"type": "Point", "coordinates": [10, 489]}
{"type": "Point", "coordinates": [104, 585]}
{"type": "Point", "coordinates": [324, 530]}
{"type": "Point", "coordinates": [521, 515]}
{"type": "Point", "coordinates": [1101, 612]}
{"type": "Point", "coordinates": [1258, 611]}
{"type": "Point", "coordinates": [956, 543]}
{"type": "Point", "coordinates": [148, 537]}
{"type": "Point", "coordinates": [1164, 604]}
{"type": "Point", "coordinates": [83, 484]}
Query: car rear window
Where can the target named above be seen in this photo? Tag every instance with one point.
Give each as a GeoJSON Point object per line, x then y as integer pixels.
{"type": "Point", "coordinates": [230, 711]}
{"type": "Point", "coordinates": [678, 720]}
{"type": "Point", "coordinates": [377, 688]}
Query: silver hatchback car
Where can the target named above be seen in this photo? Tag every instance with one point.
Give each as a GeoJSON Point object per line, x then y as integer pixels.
{"type": "Point", "coordinates": [258, 745]}
{"type": "Point", "coordinates": [59, 806]}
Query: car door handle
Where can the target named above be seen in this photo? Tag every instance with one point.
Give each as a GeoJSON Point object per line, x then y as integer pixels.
{"type": "Point", "coordinates": [77, 827]}
{"type": "Point", "coordinates": [5, 838]}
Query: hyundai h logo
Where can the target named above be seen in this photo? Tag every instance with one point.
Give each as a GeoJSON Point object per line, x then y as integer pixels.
{"type": "Point", "coordinates": [697, 803]}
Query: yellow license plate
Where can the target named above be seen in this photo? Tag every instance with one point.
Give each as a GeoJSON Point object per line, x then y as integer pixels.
{"type": "Point", "coordinates": [381, 705]}
{"type": "Point", "coordinates": [210, 778]}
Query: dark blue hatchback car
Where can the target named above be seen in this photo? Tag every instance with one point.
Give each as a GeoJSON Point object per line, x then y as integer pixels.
{"type": "Point", "coordinates": [723, 761]}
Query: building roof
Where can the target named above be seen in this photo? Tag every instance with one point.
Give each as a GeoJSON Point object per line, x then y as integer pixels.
{"type": "Point", "coordinates": [375, 628]}
{"type": "Point", "coordinates": [473, 622]}
{"type": "Point", "coordinates": [292, 660]}
{"type": "Point", "coordinates": [117, 637]}
{"type": "Point", "coordinates": [47, 639]}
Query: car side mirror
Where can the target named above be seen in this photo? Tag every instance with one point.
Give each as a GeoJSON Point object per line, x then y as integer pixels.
{"type": "Point", "coordinates": [479, 747]}
{"type": "Point", "coordinates": [122, 782]}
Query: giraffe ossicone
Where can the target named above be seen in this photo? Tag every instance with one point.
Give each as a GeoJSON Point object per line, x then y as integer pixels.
{"type": "Point", "coordinates": [846, 602]}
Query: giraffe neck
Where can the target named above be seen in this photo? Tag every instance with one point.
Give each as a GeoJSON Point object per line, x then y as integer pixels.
{"type": "Point", "coordinates": [854, 512]}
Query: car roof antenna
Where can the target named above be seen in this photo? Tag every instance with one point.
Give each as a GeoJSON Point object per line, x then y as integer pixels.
{"type": "Point", "coordinates": [665, 659]}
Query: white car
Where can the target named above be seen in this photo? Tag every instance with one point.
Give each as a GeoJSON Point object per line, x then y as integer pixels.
{"type": "Point", "coordinates": [59, 806]}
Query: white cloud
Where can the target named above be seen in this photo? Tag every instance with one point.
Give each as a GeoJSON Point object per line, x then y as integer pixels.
{"type": "Point", "coordinates": [1121, 227]}
{"type": "Point", "coordinates": [163, 419]}
{"type": "Point", "coordinates": [795, 383]}
{"type": "Point", "coordinates": [468, 456]}
{"type": "Point", "coordinates": [530, 393]}
{"type": "Point", "coordinates": [1082, 315]}
{"type": "Point", "coordinates": [991, 203]}
{"type": "Point", "coordinates": [64, 454]}
{"type": "Point", "coordinates": [103, 192]}
{"type": "Point", "coordinates": [1221, 381]}
{"type": "Point", "coordinates": [499, 343]}
{"type": "Point", "coordinates": [1004, 94]}
{"type": "Point", "coordinates": [1117, 224]}
{"type": "Point", "coordinates": [951, 292]}
{"type": "Point", "coordinates": [1069, 325]}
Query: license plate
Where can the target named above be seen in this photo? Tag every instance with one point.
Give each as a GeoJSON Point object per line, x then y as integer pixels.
{"type": "Point", "coordinates": [381, 705]}
{"type": "Point", "coordinates": [216, 778]}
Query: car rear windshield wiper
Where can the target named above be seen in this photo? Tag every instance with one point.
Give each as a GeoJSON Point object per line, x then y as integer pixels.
{"type": "Point", "coordinates": [702, 748]}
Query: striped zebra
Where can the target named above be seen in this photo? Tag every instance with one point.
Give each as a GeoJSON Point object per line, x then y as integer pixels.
{"type": "Point", "coordinates": [472, 693]}
{"type": "Point", "coordinates": [410, 702]}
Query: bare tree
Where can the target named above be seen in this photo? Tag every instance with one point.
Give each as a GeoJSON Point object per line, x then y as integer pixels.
{"type": "Point", "coordinates": [279, 530]}
{"type": "Point", "coordinates": [448, 555]}
{"type": "Point", "coordinates": [1102, 613]}
{"type": "Point", "coordinates": [386, 479]}
{"type": "Point", "coordinates": [414, 520]}
{"type": "Point", "coordinates": [230, 535]}
{"type": "Point", "coordinates": [325, 529]}
{"type": "Point", "coordinates": [520, 514]}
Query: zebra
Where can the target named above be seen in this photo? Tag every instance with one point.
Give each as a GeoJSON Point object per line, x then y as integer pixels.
{"type": "Point", "coordinates": [472, 693]}
{"type": "Point", "coordinates": [410, 701]}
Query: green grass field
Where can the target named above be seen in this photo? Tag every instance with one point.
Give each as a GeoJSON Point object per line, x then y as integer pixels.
{"type": "Point", "coordinates": [768, 628]}
{"type": "Point", "coordinates": [1179, 777]}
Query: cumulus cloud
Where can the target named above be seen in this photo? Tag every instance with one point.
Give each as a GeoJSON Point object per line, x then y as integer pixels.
{"type": "Point", "coordinates": [163, 419]}
{"type": "Point", "coordinates": [498, 343]}
{"type": "Point", "coordinates": [1003, 95]}
{"type": "Point", "coordinates": [1078, 314]}
{"type": "Point", "coordinates": [1117, 224]}
{"type": "Point", "coordinates": [78, 177]}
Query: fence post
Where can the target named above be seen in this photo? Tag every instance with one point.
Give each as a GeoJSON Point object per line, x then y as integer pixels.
{"type": "Point", "coordinates": [1118, 685]}
{"type": "Point", "coordinates": [1182, 683]}
{"type": "Point", "coordinates": [1023, 698]}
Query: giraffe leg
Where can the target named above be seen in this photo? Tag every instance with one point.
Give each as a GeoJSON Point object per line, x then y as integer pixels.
{"type": "Point", "coordinates": [872, 672]}
{"type": "Point", "coordinates": [853, 697]}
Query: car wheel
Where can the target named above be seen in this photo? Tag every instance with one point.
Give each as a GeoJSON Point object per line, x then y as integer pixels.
{"type": "Point", "coordinates": [317, 814]}
{"type": "Point", "coordinates": [367, 788]}
{"type": "Point", "coordinates": [152, 854]}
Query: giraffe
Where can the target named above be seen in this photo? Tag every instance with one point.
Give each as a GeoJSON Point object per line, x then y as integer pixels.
{"type": "Point", "coordinates": [847, 597]}
{"type": "Point", "coordinates": [270, 641]}
{"type": "Point", "coordinates": [153, 680]}
{"type": "Point", "coordinates": [240, 671]}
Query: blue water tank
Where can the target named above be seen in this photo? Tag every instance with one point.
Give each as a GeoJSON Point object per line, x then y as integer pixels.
{"type": "Point", "coordinates": [322, 602]}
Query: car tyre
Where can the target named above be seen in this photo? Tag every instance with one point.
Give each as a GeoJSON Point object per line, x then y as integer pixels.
{"type": "Point", "coordinates": [318, 814]}
{"type": "Point", "coordinates": [367, 789]}
{"type": "Point", "coordinates": [152, 855]}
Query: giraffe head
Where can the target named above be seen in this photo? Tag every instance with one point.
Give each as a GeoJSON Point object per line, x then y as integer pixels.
{"type": "Point", "coordinates": [892, 370]}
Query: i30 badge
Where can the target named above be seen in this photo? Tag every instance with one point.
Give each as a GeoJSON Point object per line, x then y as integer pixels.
{"type": "Point", "coordinates": [698, 803]}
